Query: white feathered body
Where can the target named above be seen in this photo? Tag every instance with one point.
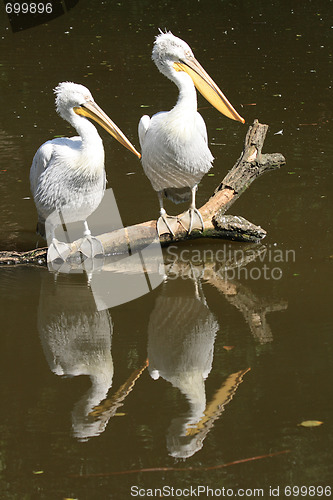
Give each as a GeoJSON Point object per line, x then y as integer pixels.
{"type": "Point", "coordinates": [68, 175]}
{"type": "Point", "coordinates": [174, 147]}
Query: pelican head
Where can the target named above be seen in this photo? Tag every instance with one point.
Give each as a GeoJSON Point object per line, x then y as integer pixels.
{"type": "Point", "coordinates": [169, 49]}
{"type": "Point", "coordinates": [70, 95]}
{"type": "Point", "coordinates": [73, 99]}
{"type": "Point", "coordinates": [172, 55]}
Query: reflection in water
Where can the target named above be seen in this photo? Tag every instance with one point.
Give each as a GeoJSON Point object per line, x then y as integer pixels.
{"type": "Point", "coordinates": [181, 335]}
{"type": "Point", "coordinates": [254, 309]}
{"type": "Point", "coordinates": [180, 349]}
{"type": "Point", "coordinates": [76, 340]}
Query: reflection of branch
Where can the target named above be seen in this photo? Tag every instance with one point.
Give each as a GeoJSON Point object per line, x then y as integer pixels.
{"type": "Point", "coordinates": [221, 398]}
{"type": "Point", "coordinates": [253, 308]}
{"type": "Point", "coordinates": [109, 406]}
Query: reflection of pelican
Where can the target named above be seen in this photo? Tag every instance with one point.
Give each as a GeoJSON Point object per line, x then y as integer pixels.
{"type": "Point", "coordinates": [76, 340]}
{"type": "Point", "coordinates": [175, 154]}
{"type": "Point", "coordinates": [182, 354]}
{"type": "Point", "coordinates": [67, 174]}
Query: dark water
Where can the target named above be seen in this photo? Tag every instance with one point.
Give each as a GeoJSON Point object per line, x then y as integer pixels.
{"type": "Point", "coordinates": [83, 416]}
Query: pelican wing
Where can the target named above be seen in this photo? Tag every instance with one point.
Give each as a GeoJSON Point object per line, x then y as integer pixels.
{"type": "Point", "coordinates": [143, 127]}
{"type": "Point", "coordinates": [40, 162]}
{"type": "Point", "coordinates": [42, 159]}
{"type": "Point", "coordinates": [51, 153]}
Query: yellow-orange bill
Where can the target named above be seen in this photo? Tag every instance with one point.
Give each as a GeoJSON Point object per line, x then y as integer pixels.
{"type": "Point", "coordinates": [207, 87]}
{"type": "Point", "coordinates": [92, 110]}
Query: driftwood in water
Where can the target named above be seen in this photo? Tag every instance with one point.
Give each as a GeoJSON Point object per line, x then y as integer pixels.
{"type": "Point", "coordinates": [251, 164]}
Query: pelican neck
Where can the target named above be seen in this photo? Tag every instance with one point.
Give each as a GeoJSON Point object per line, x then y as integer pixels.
{"type": "Point", "coordinates": [187, 98]}
{"type": "Point", "coordinates": [86, 130]}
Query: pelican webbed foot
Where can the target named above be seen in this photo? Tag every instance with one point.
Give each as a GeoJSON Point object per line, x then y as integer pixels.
{"type": "Point", "coordinates": [166, 224]}
{"type": "Point", "coordinates": [58, 251]}
{"type": "Point", "coordinates": [191, 219]}
{"type": "Point", "coordinates": [91, 246]}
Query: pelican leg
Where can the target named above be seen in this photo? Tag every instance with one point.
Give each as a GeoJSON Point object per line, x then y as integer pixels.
{"type": "Point", "coordinates": [90, 246]}
{"type": "Point", "coordinates": [192, 219]}
{"type": "Point", "coordinates": [166, 223]}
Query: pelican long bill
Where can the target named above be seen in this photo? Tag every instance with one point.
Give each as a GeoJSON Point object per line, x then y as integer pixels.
{"type": "Point", "coordinates": [93, 111]}
{"type": "Point", "coordinates": [207, 87]}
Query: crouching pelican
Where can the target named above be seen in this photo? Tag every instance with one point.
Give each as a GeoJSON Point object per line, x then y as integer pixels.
{"type": "Point", "coordinates": [67, 175]}
{"type": "Point", "coordinates": [175, 153]}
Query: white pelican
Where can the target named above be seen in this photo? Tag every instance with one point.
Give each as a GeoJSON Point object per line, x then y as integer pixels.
{"type": "Point", "coordinates": [175, 154]}
{"type": "Point", "coordinates": [67, 175]}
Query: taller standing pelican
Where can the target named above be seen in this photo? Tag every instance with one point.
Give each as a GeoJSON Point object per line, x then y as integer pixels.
{"type": "Point", "coordinates": [67, 175]}
{"type": "Point", "coordinates": [175, 153]}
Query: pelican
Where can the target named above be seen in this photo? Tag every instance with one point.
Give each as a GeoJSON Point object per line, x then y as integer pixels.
{"type": "Point", "coordinates": [67, 175]}
{"type": "Point", "coordinates": [175, 153]}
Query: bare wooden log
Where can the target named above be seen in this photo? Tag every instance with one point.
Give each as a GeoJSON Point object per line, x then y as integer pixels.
{"type": "Point", "coordinates": [251, 164]}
